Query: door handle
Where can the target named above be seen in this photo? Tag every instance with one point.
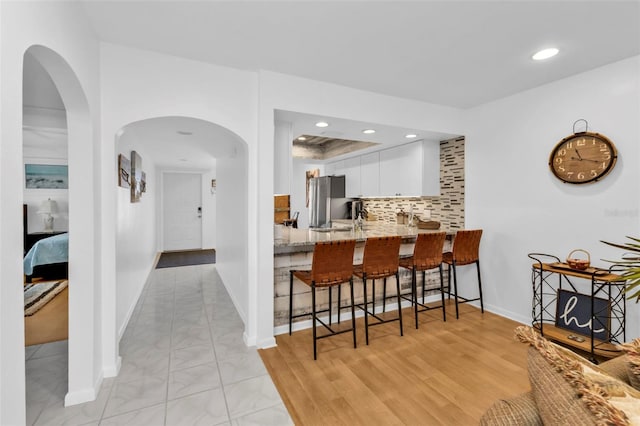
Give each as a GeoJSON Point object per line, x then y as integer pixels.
{"type": "Point", "coordinates": [199, 211]}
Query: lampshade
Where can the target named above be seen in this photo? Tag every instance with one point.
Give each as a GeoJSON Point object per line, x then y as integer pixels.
{"type": "Point", "coordinates": [48, 206]}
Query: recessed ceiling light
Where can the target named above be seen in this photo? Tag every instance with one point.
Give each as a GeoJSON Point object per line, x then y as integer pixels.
{"type": "Point", "coordinates": [368, 131]}
{"type": "Point", "coordinates": [302, 138]}
{"type": "Point", "coordinates": [545, 54]}
{"type": "Point", "coordinates": [322, 124]}
{"type": "Point", "coordinates": [410, 135]}
{"type": "Point", "coordinates": [184, 133]}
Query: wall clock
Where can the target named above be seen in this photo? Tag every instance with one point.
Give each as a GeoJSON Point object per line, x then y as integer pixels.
{"type": "Point", "coordinates": [583, 157]}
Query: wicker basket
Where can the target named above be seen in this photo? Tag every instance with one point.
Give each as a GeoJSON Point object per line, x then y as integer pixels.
{"type": "Point", "coordinates": [580, 264]}
{"type": "Point", "coordinates": [427, 224]}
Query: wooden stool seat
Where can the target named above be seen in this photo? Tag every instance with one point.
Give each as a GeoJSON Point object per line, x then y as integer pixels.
{"type": "Point", "coordinates": [380, 260]}
{"type": "Point", "coordinates": [427, 254]}
{"type": "Point", "coordinates": [466, 249]}
{"type": "Point", "coordinates": [332, 265]}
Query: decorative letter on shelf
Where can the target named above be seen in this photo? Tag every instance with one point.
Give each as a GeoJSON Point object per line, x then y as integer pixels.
{"type": "Point", "coordinates": [574, 313]}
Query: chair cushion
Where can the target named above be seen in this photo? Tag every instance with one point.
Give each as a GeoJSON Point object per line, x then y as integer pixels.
{"type": "Point", "coordinates": [567, 387]}
{"type": "Point", "coordinates": [632, 349]}
{"type": "Point", "coordinates": [520, 410]}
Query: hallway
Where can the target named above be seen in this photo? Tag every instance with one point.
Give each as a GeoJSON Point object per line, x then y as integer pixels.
{"type": "Point", "coordinates": [183, 363]}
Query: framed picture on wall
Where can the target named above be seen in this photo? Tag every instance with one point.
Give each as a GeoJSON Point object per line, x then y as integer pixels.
{"type": "Point", "coordinates": [136, 177]}
{"type": "Point", "coordinates": [46, 176]}
{"type": "Point", "coordinates": [144, 182]}
{"type": "Point", "coordinates": [124, 171]}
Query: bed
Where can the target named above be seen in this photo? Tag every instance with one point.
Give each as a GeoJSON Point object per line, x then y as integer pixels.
{"type": "Point", "coordinates": [48, 258]}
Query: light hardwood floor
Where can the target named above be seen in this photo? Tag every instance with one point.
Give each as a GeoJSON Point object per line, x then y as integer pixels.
{"type": "Point", "coordinates": [444, 373]}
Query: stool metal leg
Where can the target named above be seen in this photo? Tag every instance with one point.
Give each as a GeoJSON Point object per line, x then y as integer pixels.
{"type": "Point", "coordinates": [455, 286]}
{"type": "Point", "coordinates": [353, 313]}
{"type": "Point", "coordinates": [366, 309]}
{"type": "Point", "coordinates": [384, 295]}
{"type": "Point", "coordinates": [399, 302]}
{"type": "Point", "coordinates": [414, 291]}
{"type": "Point", "coordinates": [290, 300]}
{"type": "Point", "coordinates": [330, 290]}
{"type": "Point", "coordinates": [480, 286]}
{"type": "Point", "coordinates": [339, 298]}
{"type": "Point", "coordinates": [313, 318]}
{"type": "Point", "coordinates": [444, 313]}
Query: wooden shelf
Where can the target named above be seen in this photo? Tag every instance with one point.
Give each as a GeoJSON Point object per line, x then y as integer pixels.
{"type": "Point", "coordinates": [602, 349]}
{"type": "Point", "coordinates": [602, 275]}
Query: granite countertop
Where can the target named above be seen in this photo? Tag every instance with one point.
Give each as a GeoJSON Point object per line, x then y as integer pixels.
{"type": "Point", "coordinates": [292, 240]}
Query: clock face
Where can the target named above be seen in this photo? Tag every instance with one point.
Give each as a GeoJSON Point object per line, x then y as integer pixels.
{"type": "Point", "coordinates": [583, 158]}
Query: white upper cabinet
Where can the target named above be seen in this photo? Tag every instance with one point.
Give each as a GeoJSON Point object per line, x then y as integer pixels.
{"type": "Point", "coordinates": [370, 174]}
{"type": "Point", "coordinates": [335, 168]}
{"type": "Point", "coordinates": [407, 171]}
{"type": "Point", "coordinates": [401, 170]}
{"type": "Point", "coordinates": [352, 177]}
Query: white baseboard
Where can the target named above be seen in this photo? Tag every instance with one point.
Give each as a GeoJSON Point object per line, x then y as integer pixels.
{"type": "Point", "coordinates": [113, 370]}
{"type": "Point", "coordinates": [83, 395]}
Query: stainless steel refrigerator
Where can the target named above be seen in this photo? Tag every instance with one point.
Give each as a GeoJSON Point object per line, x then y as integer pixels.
{"type": "Point", "coordinates": [327, 201]}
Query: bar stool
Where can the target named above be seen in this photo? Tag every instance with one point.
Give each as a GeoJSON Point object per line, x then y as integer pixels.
{"type": "Point", "coordinates": [380, 260]}
{"type": "Point", "coordinates": [427, 254]}
{"type": "Point", "coordinates": [465, 251]}
{"type": "Point", "coordinates": [332, 265]}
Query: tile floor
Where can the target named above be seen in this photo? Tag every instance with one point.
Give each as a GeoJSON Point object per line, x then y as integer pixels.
{"type": "Point", "coordinates": [183, 363]}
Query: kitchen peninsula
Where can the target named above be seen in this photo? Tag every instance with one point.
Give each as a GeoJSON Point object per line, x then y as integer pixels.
{"type": "Point", "coordinates": [293, 249]}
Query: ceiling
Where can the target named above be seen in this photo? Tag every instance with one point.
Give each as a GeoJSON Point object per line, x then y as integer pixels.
{"type": "Point", "coordinates": [453, 53]}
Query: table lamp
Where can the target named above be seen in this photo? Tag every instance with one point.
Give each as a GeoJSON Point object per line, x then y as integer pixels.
{"type": "Point", "coordinates": [48, 208]}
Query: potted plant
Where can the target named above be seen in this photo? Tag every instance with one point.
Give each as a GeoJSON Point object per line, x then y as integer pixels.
{"type": "Point", "coordinates": [630, 265]}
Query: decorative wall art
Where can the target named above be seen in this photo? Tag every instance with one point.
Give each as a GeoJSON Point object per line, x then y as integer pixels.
{"type": "Point", "coordinates": [124, 171]}
{"type": "Point", "coordinates": [46, 176]}
{"type": "Point", "coordinates": [136, 177]}
{"type": "Point", "coordinates": [144, 182]}
{"type": "Point", "coordinates": [213, 186]}
{"type": "Point", "coordinates": [311, 174]}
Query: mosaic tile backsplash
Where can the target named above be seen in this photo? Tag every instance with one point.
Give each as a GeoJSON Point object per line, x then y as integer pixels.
{"type": "Point", "coordinates": [448, 208]}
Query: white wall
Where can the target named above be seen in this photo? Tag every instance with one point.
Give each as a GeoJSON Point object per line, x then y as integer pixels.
{"type": "Point", "coordinates": [232, 213]}
{"type": "Point", "coordinates": [62, 28]}
{"type": "Point", "coordinates": [283, 137]}
{"type": "Point", "coordinates": [523, 208]}
{"type": "Point", "coordinates": [139, 85]}
{"type": "Point", "coordinates": [136, 231]}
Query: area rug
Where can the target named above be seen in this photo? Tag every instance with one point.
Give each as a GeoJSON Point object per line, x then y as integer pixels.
{"type": "Point", "coordinates": [39, 294]}
{"type": "Point", "coordinates": [172, 259]}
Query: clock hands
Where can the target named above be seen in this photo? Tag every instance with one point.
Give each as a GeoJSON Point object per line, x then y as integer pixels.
{"type": "Point", "coordinates": [579, 156]}
{"type": "Point", "coordinates": [585, 159]}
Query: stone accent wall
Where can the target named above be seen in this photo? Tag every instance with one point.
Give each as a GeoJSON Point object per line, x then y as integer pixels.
{"type": "Point", "coordinates": [448, 208]}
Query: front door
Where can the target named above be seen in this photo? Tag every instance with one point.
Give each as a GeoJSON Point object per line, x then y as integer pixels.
{"type": "Point", "coordinates": [182, 204]}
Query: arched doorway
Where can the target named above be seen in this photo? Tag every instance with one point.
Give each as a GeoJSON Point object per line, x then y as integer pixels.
{"type": "Point", "coordinates": [83, 286]}
{"type": "Point", "coordinates": [179, 144]}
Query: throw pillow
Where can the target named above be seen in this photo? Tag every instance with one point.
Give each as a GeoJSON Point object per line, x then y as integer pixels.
{"type": "Point", "coordinates": [567, 387]}
{"type": "Point", "coordinates": [632, 349]}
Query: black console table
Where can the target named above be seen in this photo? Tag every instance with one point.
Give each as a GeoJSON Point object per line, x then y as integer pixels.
{"type": "Point", "coordinates": [602, 302]}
